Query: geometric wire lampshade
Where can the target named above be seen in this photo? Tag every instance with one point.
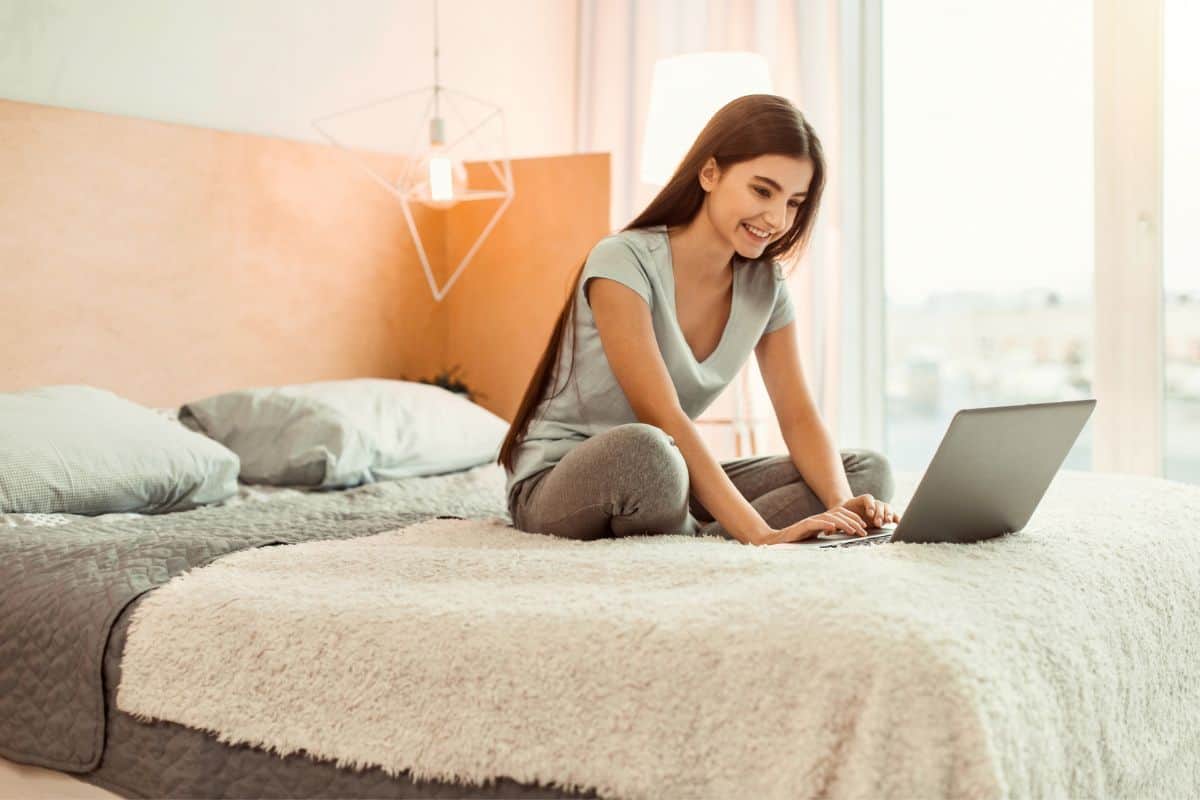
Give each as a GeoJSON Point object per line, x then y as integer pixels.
{"type": "Point", "coordinates": [432, 174]}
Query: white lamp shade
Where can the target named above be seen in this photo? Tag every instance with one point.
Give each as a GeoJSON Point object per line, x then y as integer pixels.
{"type": "Point", "coordinates": [685, 92]}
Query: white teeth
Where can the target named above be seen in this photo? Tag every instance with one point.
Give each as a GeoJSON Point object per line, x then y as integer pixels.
{"type": "Point", "coordinates": [757, 232]}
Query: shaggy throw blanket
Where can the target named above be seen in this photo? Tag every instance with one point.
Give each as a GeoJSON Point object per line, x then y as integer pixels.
{"type": "Point", "coordinates": [1060, 661]}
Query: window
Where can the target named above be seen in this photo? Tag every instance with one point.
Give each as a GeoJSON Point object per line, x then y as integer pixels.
{"type": "Point", "coordinates": [987, 213]}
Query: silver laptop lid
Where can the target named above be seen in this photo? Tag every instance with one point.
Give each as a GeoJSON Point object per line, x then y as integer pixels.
{"type": "Point", "coordinates": [991, 471]}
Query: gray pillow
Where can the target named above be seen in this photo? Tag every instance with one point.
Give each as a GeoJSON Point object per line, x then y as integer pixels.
{"type": "Point", "coordinates": [342, 433]}
{"type": "Point", "coordinates": [84, 450]}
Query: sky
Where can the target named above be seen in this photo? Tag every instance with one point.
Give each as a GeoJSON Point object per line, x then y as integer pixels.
{"type": "Point", "coordinates": [988, 146]}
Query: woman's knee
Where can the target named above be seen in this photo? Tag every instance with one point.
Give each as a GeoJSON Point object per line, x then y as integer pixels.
{"type": "Point", "coordinates": [650, 466]}
{"type": "Point", "coordinates": [872, 474]}
{"type": "Point", "coordinates": [643, 446]}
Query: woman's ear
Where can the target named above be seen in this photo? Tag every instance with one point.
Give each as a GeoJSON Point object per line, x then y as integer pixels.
{"type": "Point", "coordinates": [710, 173]}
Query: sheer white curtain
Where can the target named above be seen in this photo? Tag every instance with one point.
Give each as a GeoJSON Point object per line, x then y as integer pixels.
{"type": "Point", "coordinates": [619, 42]}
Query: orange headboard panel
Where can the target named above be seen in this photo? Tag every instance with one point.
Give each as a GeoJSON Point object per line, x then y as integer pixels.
{"type": "Point", "coordinates": [166, 262]}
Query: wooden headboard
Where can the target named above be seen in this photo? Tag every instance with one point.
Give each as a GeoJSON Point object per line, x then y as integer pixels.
{"type": "Point", "coordinates": [166, 262]}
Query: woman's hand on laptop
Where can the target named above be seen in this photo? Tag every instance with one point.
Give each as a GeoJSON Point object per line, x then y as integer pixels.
{"type": "Point", "coordinates": [871, 510]}
{"type": "Point", "coordinates": [831, 521]}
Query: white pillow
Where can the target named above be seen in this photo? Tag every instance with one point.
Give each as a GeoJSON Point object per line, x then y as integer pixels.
{"type": "Point", "coordinates": [342, 433]}
{"type": "Point", "coordinates": [78, 449]}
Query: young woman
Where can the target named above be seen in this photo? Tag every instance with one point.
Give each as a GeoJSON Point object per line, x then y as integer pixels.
{"type": "Point", "coordinates": [662, 316]}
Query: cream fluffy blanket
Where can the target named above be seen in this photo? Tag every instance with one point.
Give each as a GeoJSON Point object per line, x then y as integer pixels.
{"type": "Point", "coordinates": [1060, 661]}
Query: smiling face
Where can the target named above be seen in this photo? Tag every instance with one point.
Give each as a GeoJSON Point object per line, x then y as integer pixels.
{"type": "Point", "coordinates": [764, 193]}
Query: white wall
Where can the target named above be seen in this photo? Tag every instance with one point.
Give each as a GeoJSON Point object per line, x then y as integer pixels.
{"type": "Point", "coordinates": [270, 66]}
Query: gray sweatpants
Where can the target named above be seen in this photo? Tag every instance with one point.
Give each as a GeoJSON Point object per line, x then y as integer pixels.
{"type": "Point", "coordinates": [632, 480]}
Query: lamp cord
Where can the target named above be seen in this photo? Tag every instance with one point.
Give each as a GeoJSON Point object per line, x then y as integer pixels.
{"type": "Point", "coordinates": [436, 104]}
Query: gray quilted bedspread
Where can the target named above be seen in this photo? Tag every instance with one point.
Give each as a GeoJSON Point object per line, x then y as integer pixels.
{"type": "Point", "coordinates": [62, 587]}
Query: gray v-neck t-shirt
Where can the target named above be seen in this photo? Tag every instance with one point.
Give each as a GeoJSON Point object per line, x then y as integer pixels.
{"type": "Point", "coordinates": [592, 401]}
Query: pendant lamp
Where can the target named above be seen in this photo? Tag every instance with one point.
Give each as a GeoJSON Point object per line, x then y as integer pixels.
{"type": "Point", "coordinates": [451, 126]}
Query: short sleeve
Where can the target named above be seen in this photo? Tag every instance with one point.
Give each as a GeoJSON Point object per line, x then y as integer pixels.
{"type": "Point", "coordinates": [614, 258]}
{"type": "Point", "coordinates": [783, 311]}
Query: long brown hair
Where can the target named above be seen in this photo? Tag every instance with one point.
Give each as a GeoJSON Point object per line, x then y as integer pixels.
{"type": "Point", "coordinates": [743, 129]}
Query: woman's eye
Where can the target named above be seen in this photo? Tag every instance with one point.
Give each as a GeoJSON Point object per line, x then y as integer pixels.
{"type": "Point", "coordinates": [764, 193]}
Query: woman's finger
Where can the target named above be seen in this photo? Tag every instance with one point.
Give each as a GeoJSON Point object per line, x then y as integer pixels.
{"type": "Point", "coordinates": [850, 519]}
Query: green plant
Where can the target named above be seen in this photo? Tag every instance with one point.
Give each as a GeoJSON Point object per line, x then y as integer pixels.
{"type": "Point", "coordinates": [446, 380]}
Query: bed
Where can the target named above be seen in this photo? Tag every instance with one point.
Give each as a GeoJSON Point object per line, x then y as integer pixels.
{"type": "Point", "coordinates": [200, 653]}
{"type": "Point", "coordinates": [1058, 661]}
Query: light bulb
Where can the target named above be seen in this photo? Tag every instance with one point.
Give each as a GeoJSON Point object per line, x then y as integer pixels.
{"type": "Point", "coordinates": [438, 181]}
{"type": "Point", "coordinates": [445, 179]}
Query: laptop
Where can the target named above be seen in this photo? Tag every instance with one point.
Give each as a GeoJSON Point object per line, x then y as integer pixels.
{"type": "Point", "coordinates": [986, 478]}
